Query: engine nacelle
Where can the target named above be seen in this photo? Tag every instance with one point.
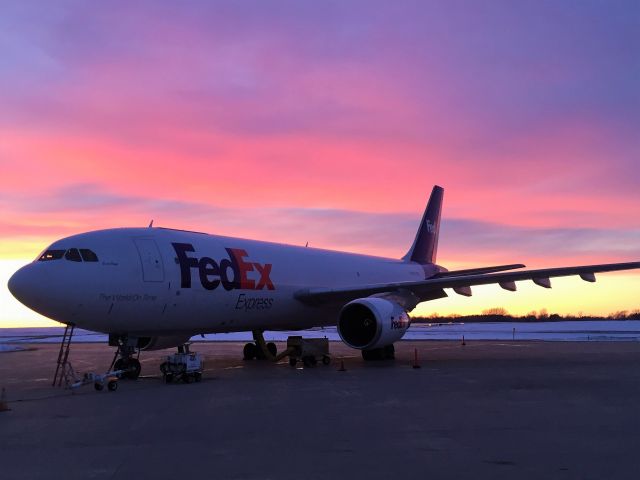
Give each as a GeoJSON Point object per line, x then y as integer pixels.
{"type": "Point", "coordinates": [158, 343]}
{"type": "Point", "coordinates": [372, 322]}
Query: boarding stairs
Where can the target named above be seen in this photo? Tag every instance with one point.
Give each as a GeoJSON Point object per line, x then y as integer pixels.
{"type": "Point", "coordinates": [64, 370]}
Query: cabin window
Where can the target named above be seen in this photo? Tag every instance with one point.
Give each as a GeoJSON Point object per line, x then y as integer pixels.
{"type": "Point", "coordinates": [51, 255]}
{"type": "Point", "coordinates": [88, 255]}
{"type": "Point", "coordinates": [73, 254]}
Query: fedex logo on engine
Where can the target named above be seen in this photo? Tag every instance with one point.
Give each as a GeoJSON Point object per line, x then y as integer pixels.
{"type": "Point", "coordinates": [400, 324]}
{"type": "Point", "coordinates": [232, 273]}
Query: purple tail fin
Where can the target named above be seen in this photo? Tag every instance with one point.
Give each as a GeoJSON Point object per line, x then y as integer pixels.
{"type": "Point", "coordinates": [425, 246]}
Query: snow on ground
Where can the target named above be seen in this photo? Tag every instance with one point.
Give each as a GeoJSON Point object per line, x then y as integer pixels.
{"type": "Point", "coordinates": [628, 330]}
{"type": "Point", "coordinates": [549, 331]}
{"type": "Point", "coordinates": [10, 348]}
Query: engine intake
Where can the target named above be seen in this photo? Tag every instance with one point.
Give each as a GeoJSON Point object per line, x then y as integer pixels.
{"type": "Point", "coordinates": [372, 322]}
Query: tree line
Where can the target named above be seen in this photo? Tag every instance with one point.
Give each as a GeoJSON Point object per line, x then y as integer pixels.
{"type": "Point", "coordinates": [499, 314]}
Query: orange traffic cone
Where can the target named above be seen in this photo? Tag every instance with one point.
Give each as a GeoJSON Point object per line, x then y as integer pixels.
{"type": "Point", "coordinates": [415, 358]}
{"type": "Point", "coordinates": [4, 406]}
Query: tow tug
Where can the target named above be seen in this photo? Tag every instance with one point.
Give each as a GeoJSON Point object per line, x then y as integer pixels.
{"type": "Point", "coordinates": [99, 381]}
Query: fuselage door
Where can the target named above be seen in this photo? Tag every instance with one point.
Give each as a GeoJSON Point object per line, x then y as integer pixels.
{"type": "Point", "coordinates": [152, 268]}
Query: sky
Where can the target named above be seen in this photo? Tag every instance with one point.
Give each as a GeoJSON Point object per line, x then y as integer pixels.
{"type": "Point", "coordinates": [329, 122]}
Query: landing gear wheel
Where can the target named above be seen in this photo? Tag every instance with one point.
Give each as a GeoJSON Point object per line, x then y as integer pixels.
{"type": "Point", "coordinates": [134, 368]}
{"type": "Point", "coordinates": [112, 385]}
{"type": "Point", "coordinates": [98, 386]}
{"type": "Point", "coordinates": [390, 352]}
{"type": "Point", "coordinates": [326, 360]}
{"type": "Point", "coordinates": [131, 367]}
{"type": "Point", "coordinates": [309, 361]}
{"type": "Point", "coordinates": [271, 347]}
{"type": "Point", "coordinates": [373, 354]}
{"type": "Point", "coordinates": [293, 361]}
{"type": "Point", "coordinates": [249, 351]}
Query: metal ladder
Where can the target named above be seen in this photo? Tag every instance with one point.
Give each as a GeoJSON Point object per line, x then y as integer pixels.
{"type": "Point", "coordinates": [64, 370]}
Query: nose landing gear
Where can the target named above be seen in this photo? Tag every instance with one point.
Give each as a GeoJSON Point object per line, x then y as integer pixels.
{"type": "Point", "coordinates": [126, 357]}
{"type": "Point", "coordinates": [130, 365]}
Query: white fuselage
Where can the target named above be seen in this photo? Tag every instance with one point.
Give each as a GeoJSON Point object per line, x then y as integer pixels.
{"type": "Point", "coordinates": [155, 281]}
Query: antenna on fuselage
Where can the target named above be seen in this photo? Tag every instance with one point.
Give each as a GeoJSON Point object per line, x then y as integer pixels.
{"type": "Point", "coordinates": [151, 224]}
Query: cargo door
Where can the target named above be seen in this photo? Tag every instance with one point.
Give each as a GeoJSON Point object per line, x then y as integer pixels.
{"type": "Point", "coordinates": [152, 268]}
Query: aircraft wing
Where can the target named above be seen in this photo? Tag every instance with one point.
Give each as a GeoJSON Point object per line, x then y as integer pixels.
{"type": "Point", "coordinates": [475, 271]}
{"type": "Point", "coordinates": [432, 288]}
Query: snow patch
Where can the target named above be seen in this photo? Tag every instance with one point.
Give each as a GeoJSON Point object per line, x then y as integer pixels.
{"type": "Point", "coordinates": [10, 348]}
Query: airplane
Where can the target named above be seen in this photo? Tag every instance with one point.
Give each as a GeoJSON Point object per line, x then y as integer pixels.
{"type": "Point", "coordinates": [153, 288]}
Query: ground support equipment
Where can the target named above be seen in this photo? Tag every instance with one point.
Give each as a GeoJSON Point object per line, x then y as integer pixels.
{"type": "Point", "coordinates": [99, 381]}
{"type": "Point", "coordinates": [184, 365]}
{"type": "Point", "coordinates": [64, 370]}
{"type": "Point", "coordinates": [309, 350]}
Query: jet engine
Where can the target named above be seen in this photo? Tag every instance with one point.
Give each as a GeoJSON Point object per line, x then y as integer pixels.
{"type": "Point", "coordinates": [158, 343]}
{"type": "Point", "coordinates": [372, 322]}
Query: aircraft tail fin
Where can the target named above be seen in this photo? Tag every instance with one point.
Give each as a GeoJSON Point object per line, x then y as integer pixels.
{"type": "Point", "coordinates": [425, 245]}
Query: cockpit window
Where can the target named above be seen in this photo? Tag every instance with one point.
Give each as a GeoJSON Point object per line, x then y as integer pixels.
{"type": "Point", "coordinates": [51, 255]}
{"type": "Point", "coordinates": [88, 255]}
{"type": "Point", "coordinates": [73, 254]}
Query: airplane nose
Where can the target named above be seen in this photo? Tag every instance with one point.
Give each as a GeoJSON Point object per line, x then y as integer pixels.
{"type": "Point", "coordinates": [43, 291]}
{"type": "Point", "coordinates": [19, 284]}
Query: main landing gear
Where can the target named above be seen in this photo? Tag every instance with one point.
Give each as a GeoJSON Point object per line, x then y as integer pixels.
{"type": "Point", "coordinates": [387, 352]}
{"type": "Point", "coordinates": [126, 357]}
{"type": "Point", "coordinates": [259, 349]}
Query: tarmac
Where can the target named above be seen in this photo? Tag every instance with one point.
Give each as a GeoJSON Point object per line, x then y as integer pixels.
{"type": "Point", "coordinates": [525, 410]}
